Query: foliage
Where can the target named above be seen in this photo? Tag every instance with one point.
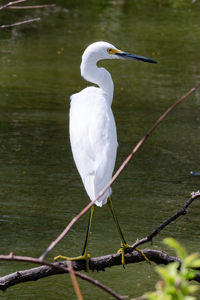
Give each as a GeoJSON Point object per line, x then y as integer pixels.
{"type": "Point", "coordinates": [175, 283]}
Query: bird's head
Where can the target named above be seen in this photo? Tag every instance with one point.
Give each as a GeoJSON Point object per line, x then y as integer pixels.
{"type": "Point", "coordinates": [103, 50]}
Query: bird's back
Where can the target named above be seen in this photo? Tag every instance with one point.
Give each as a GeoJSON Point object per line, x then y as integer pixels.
{"type": "Point", "coordinates": [93, 140]}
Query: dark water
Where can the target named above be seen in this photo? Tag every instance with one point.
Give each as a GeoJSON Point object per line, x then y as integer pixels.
{"type": "Point", "coordinates": [40, 187]}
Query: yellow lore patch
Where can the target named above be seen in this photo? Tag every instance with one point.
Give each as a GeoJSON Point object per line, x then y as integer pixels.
{"type": "Point", "coordinates": [113, 51]}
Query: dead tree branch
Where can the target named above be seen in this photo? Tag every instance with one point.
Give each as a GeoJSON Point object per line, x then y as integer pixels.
{"type": "Point", "coordinates": [47, 269]}
{"type": "Point", "coordinates": [74, 281]}
{"type": "Point", "coordinates": [135, 149]}
{"type": "Point", "coordinates": [19, 23]}
{"type": "Point", "coordinates": [181, 212]}
{"type": "Point", "coordinates": [96, 264]}
{"type": "Point", "coordinates": [11, 3]}
{"type": "Point", "coordinates": [32, 6]}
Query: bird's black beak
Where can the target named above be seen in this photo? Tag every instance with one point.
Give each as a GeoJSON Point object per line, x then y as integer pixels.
{"type": "Point", "coordinates": [125, 55]}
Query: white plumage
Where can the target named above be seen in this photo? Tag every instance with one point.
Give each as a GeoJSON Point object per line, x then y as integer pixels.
{"type": "Point", "coordinates": [92, 126]}
{"type": "Point", "coordinates": [93, 140]}
{"type": "Point", "coordinates": [93, 134]}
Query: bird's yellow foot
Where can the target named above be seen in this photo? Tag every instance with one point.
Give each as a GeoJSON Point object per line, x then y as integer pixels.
{"type": "Point", "coordinates": [144, 256]}
{"type": "Point", "coordinates": [122, 251]}
{"type": "Point", "coordinates": [85, 257]}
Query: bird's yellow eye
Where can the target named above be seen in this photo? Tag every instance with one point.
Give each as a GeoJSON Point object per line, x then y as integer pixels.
{"type": "Point", "coordinates": [110, 51]}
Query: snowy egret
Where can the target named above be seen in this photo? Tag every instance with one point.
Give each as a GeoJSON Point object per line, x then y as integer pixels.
{"type": "Point", "coordinates": [93, 133]}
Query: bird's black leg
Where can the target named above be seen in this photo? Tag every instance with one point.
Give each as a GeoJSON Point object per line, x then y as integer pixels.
{"type": "Point", "coordinates": [85, 248]}
{"type": "Point", "coordinates": [124, 245]}
{"type": "Point", "coordinates": [85, 256]}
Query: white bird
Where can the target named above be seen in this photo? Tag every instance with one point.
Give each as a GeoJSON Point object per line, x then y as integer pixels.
{"type": "Point", "coordinates": [93, 133]}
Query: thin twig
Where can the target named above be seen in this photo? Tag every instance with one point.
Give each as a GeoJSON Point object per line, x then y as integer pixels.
{"type": "Point", "coordinates": [181, 212]}
{"type": "Point", "coordinates": [100, 285]}
{"type": "Point", "coordinates": [74, 280]}
{"type": "Point", "coordinates": [11, 3]}
{"type": "Point", "coordinates": [19, 23]}
{"type": "Point", "coordinates": [55, 268]}
{"type": "Point", "coordinates": [61, 236]}
{"type": "Point", "coordinates": [135, 149]}
{"type": "Point", "coordinates": [32, 6]}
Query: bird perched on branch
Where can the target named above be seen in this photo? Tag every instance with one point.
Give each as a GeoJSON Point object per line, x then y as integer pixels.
{"type": "Point", "coordinates": [93, 133]}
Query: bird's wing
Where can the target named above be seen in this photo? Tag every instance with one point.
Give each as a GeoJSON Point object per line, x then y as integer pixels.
{"type": "Point", "coordinates": [93, 139]}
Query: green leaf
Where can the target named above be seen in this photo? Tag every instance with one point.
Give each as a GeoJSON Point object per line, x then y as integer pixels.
{"type": "Point", "coordinates": [163, 272]}
{"type": "Point", "coordinates": [180, 251]}
{"type": "Point", "coordinates": [191, 258]}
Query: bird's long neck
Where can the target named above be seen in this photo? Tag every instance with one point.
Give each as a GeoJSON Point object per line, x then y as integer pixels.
{"type": "Point", "coordinates": [99, 76]}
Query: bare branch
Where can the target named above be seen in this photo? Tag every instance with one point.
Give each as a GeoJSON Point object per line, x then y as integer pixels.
{"type": "Point", "coordinates": [19, 23]}
{"type": "Point", "coordinates": [61, 236]}
{"type": "Point", "coordinates": [135, 149]}
{"type": "Point", "coordinates": [11, 3]}
{"type": "Point", "coordinates": [32, 6]}
{"type": "Point", "coordinates": [181, 212]}
{"type": "Point", "coordinates": [97, 263]}
{"type": "Point", "coordinates": [74, 280]}
{"type": "Point", "coordinates": [47, 269]}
